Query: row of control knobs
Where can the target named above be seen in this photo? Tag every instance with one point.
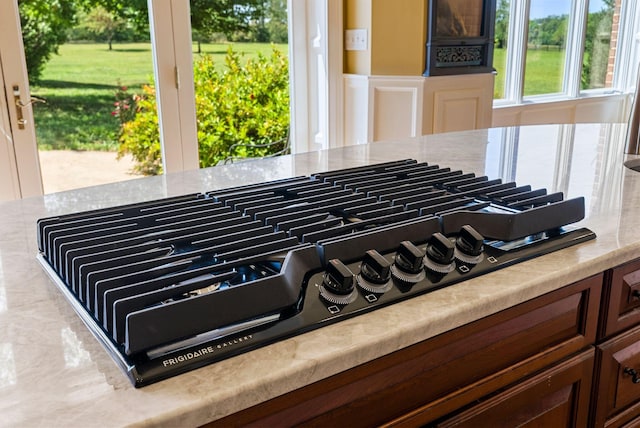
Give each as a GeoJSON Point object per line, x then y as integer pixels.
{"type": "Point", "coordinates": [409, 266]}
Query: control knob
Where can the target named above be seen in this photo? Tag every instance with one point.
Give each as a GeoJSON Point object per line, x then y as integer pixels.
{"type": "Point", "coordinates": [375, 273]}
{"type": "Point", "coordinates": [440, 254]}
{"type": "Point", "coordinates": [338, 284]}
{"type": "Point", "coordinates": [469, 245]}
{"type": "Point", "coordinates": [408, 265]}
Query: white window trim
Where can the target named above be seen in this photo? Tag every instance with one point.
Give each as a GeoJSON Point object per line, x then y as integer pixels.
{"type": "Point", "coordinates": [516, 48]}
{"type": "Point", "coordinates": [628, 54]}
{"type": "Point", "coordinates": [626, 66]}
{"type": "Point", "coordinates": [18, 142]}
{"type": "Point", "coordinates": [316, 86]}
{"type": "Point", "coordinates": [170, 25]}
{"type": "Point", "coordinates": [315, 74]}
{"type": "Point", "coordinates": [574, 54]}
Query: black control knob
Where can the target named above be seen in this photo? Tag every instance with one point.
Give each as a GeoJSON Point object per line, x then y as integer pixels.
{"type": "Point", "coordinates": [409, 264]}
{"type": "Point", "coordinates": [440, 254]}
{"type": "Point", "coordinates": [375, 273]}
{"type": "Point", "coordinates": [338, 283]}
{"type": "Point", "coordinates": [469, 245]}
{"type": "Point", "coordinates": [338, 278]}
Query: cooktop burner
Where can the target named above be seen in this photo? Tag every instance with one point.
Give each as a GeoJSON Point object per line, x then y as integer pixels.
{"type": "Point", "coordinates": [178, 283]}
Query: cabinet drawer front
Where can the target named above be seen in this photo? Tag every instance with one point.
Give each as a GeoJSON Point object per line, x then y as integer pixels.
{"type": "Point", "coordinates": [557, 397]}
{"type": "Point", "coordinates": [622, 300]}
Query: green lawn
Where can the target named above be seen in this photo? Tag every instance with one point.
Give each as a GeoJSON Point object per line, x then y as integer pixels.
{"type": "Point", "coordinates": [543, 71]}
{"type": "Point", "coordinates": [79, 86]}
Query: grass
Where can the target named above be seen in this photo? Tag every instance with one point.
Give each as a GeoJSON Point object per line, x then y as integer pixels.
{"type": "Point", "coordinates": [80, 83]}
{"type": "Point", "coordinates": [543, 72]}
{"type": "Point", "coordinates": [79, 86]}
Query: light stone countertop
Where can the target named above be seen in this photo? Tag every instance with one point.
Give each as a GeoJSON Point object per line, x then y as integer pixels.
{"type": "Point", "coordinates": [53, 372]}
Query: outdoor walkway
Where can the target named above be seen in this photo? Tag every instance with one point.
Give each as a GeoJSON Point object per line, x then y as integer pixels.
{"type": "Point", "coordinates": [68, 169]}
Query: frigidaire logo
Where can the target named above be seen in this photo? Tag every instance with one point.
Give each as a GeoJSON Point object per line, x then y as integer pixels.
{"type": "Point", "coordinates": [204, 351]}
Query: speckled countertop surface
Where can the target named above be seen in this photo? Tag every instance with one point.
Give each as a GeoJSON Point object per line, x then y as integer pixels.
{"type": "Point", "coordinates": [53, 372]}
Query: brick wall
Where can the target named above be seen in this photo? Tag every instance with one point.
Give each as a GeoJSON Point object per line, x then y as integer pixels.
{"type": "Point", "coordinates": [614, 44]}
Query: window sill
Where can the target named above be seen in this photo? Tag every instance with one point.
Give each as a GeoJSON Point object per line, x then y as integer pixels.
{"type": "Point", "coordinates": [558, 98]}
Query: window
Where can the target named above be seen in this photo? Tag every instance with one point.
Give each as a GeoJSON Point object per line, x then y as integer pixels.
{"type": "Point", "coordinates": [563, 48]}
{"type": "Point", "coordinates": [545, 61]}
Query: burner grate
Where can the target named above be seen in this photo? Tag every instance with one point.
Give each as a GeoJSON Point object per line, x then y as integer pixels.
{"type": "Point", "coordinates": [154, 278]}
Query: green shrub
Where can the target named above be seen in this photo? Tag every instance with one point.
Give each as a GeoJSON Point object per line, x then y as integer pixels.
{"type": "Point", "coordinates": [139, 134]}
{"type": "Point", "coordinates": [245, 103]}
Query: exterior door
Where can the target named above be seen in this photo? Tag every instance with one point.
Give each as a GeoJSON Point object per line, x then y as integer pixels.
{"type": "Point", "coordinates": [315, 83]}
{"type": "Point", "coordinates": [19, 163]}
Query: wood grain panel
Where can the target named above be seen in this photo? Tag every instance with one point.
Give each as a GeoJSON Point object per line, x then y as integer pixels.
{"type": "Point", "coordinates": [431, 379]}
{"type": "Point", "coordinates": [621, 300]}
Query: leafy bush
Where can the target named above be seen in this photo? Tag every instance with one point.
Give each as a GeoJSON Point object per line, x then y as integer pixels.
{"type": "Point", "coordinates": [44, 27]}
{"type": "Point", "coordinates": [139, 134]}
{"type": "Point", "coordinates": [244, 104]}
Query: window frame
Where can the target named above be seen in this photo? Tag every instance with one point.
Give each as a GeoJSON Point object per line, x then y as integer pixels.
{"type": "Point", "coordinates": [625, 68]}
{"type": "Point", "coordinates": [315, 75]}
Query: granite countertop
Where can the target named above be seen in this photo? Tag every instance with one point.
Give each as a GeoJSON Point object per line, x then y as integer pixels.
{"type": "Point", "coordinates": [53, 372]}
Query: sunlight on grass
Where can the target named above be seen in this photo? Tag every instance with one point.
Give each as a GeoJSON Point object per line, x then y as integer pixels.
{"type": "Point", "coordinates": [543, 73]}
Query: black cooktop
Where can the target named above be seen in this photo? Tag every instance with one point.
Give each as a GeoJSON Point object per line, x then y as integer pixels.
{"type": "Point", "coordinates": [174, 284]}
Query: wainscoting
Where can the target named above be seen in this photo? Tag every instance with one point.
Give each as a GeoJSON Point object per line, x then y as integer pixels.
{"type": "Point", "coordinates": [381, 108]}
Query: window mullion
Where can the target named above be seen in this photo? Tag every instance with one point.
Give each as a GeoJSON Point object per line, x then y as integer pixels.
{"type": "Point", "coordinates": [173, 70]}
{"type": "Point", "coordinates": [627, 51]}
{"type": "Point", "coordinates": [576, 30]}
{"type": "Point", "coordinates": [516, 50]}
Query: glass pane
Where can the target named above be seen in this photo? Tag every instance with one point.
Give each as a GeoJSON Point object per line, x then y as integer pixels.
{"type": "Point", "coordinates": [600, 46]}
{"type": "Point", "coordinates": [548, 21]}
{"type": "Point", "coordinates": [459, 18]}
{"type": "Point", "coordinates": [88, 83]}
{"type": "Point", "coordinates": [500, 46]}
{"type": "Point", "coordinates": [241, 79]}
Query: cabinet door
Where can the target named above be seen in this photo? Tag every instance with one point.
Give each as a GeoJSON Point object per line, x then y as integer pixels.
{"type": "Point", "coordinates": [557, 397]}
{"type": "Point", "coordinates": [458, 103]}
{"type": "Point", "coordinates": [617, 388]}
{"type": "Point", "coordinates": [20, 174]}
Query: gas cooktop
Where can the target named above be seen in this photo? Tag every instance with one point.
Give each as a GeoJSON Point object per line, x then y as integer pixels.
{"type": "Point", "coordinates": [174, 284]}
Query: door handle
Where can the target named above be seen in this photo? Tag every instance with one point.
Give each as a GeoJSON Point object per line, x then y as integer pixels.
{"type": "Point", "coordinates": [634, 374]}
{"type": "Point", "coordinates": [20, 105]}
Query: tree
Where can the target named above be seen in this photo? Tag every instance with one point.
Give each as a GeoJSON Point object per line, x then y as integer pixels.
{"type": "Point", "coordinates": [225, 16]}
{"type": "Point", "coordinates": [207, 16]}
{"type": "Point", "coordinates": [45, 23]}
{"type": "Point", "coordinates": [276, 21]}
{"type": "Point", "coordinates": [597, 46]}
{"type": "Point", "coordinates": [502, 24]}
{"type": "Point", "coordinates": [134, 12]}
{"type": "Point", "coordinates": [550, 30]}
{"type": "Point", "coordinates": [44, 28]}
{"type": "Point", "coordinates": [104, 24]}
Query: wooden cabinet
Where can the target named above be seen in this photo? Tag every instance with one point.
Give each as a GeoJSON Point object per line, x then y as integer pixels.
{"type": "Point", "coordinates": [616, 392]}
{"type": "Point", "coordinates": [621, 299]}
{"type": "Point", "coordinates": [616, 397]}
{"type": "Point", "coordinates": [569, 358]}
{"type": "Point", "coordinates": [434, 379]}
{"type": "Point", "coordinates": [556, 397]}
